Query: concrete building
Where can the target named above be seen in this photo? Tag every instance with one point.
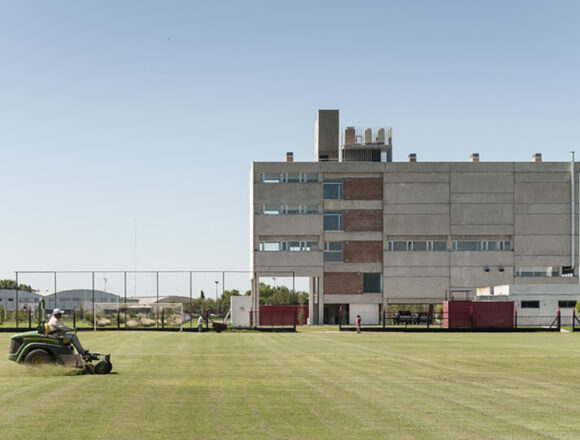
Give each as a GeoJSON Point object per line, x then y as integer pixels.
{"type": "Point", "coordinates": [8, 299]}
{"type": "Point", "coordinates": [369, 232]}
{"type": "Point", "coordinates": [536, 304]}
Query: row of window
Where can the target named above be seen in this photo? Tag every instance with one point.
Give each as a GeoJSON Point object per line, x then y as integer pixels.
{"type": "Point", "coordinates": [288, 178]}
{"type": "Point", "coordinates": [536, 304]}
{"type": "Point", "coordinates": [288, 246]}
{"type": "Point", "coordinates": [540, 272]}
{"type": "Point", "coordinates": [333, 251]}
{"type": "Point", "coordinates": [416, 245]}
{"type": "Point", "coordinates": [287, 209]}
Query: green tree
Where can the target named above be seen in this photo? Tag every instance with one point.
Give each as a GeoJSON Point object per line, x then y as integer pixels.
{"type": "Point", "coordinates": [11, 285]}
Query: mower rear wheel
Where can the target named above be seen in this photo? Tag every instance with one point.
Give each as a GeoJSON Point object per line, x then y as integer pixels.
{"type": "Point", "coordinates": [38, 357]}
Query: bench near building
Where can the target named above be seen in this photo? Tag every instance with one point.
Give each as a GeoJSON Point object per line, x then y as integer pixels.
{"type": "Point", "coordinates": [368, 232]}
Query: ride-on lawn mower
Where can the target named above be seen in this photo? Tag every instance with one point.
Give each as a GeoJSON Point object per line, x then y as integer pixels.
{"type": "Point", "coordinates": [39, 348]}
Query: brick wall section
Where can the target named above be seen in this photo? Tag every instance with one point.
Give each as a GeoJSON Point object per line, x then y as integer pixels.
{"type": "Point", "coordinates": [363, 251]}
{"type": "Point", "coordinates": [363, 220]}
{"type": "Point", "coordinates": [363, 189]}
{"type": "Point", "coordinates": [336, 283]}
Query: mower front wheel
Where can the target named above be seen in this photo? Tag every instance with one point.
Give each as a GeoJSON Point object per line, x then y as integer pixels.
{"type": "Point", "coordinates": [103, 367]}
{"type": "Point", "coordinates": [38, 357]}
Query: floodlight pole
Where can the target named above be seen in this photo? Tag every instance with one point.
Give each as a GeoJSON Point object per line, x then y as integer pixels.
{"type": "Point", "coordinates": [216, 292]}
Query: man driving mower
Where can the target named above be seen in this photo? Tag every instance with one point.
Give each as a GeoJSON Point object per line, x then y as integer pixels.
{"type": "Point", "coordinates": [57, 328]}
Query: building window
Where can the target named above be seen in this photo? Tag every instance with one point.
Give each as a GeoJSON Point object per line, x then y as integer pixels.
{"type": "Point", "coordinates": [567, 304]}
{"type": "Point", "coordinates": [270, 178]}
{"type": "Point", "coordinates": [287, 209]}
{"type": "Point", "coordinates": [309, 209]}
{"type": "Point", "coordinates": [372, 283]}
{"type": "Point", "coordinates": [288, 246]}
{"type": "Point", "coordinates": [416, 245]}
{"type": "Point", "coordinates": [288, 178]}
{"type": "Point", "coordinates": [549, 271]}
{"type": "Point", "coordinates": [530, 304]}
{"type": "Point", "coordinates": [333, 189]}
{"type": "Point", "coordinates": [333, 251]}
{"type": "Point", "coordinates": [481, 245]}
{"type": "Point", "coordinates": [333, 220]}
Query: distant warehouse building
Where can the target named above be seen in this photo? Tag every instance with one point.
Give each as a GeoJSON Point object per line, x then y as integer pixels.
{"type": "Point", "coordinates": [68, 300]}
{"type": "Point", "coordinates": [369, 232]}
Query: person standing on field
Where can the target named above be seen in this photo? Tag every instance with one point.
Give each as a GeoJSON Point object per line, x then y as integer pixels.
{"type": "Point", "coordinates": [200, 324]}
{"type": "Point", "coordinates": [358, 323]}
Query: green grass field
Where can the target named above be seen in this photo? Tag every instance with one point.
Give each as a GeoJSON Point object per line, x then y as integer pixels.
{"type": "Point", "coordinates": [315, 384]}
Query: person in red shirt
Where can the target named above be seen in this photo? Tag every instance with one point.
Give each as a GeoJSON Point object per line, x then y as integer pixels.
{"type": "Point", "coordinates": [358, 322]}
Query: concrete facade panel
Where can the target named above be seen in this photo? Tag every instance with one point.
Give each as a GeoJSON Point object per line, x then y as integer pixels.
{"type": "Point", "coordinates": [415, 193]}
{"type": "Point", "coordinates": [412, 224]}
{"type": "Point", "coordinates": [544, 177]}
{"type": "Point", "coordinates": [415, 290]}
{"type": "Point", "coordinates": [354, 168]}
{"type": "Point", "coordinates": [482, 183]}
{"type": "Point", "coordinates": [482, 214]}
{"type": "Point", "coordinates": [417, 272]}
{"type": "Point", "coordinates": [288, 259]}
{"type": "Point", "coordinates": [481, 259]}
{"type": "Point", "coordinates": [542, 193]}
{"type": "Point", "coordinates": [482, 198]}
{"type": "Point", "coordinates": [288, 225]}
{"type": "Point", "coordinates": [541, 261]}
{"type": "Point", "coordinates": [472, 277]}
{"type": "Point", "coordinates": [417, 259]}
{"type": "Point", "coordinates": [363, 252]}
{"type": "Point", "coordinates": [481, 167]}
{"type": "Point", "coordinates": [363, 220]}
{"type": "Point", "coordinates": [276, 193]}
{"type": "Point", "coordinates": [542, 245]}
{"type": "Point", "coordinates": [425, 208]}
{"type": "Point", "coordinates": [417, 167]}
{"type": "Point", "coordinates": [542, 167]}
{"type": "Point", "coordinates": [487, 231]}
{"type": "Point", "coordinates": [342, 283]}
{"type": "Point", "coordinates": [417, 177]}
{"type": "Point", "coordinates": [543, 208]}
{"type": "Point", "coordinates": [363, 189]}
{"type": "Point", "coordinates": [540, 224]}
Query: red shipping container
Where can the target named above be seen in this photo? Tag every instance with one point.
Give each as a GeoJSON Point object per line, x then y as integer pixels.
{"type": "Point", "coordinates": [456, 314]}
{"type": "Point", "coordinates": [281, 315]}
{"type": "Point", "coordinates": [480, 314]}
{"type": "Point", "coordinates": [493, 314]}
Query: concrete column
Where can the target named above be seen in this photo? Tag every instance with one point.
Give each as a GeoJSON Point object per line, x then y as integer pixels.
{"type": "Point", "coordinates": [321, 300]}
{"type": "Point", "coordinates": [255, 299]}
{"type": "Point", "coordinates": [311, 318]}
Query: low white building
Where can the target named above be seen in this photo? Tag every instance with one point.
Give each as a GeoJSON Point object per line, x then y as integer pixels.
{"type": "Point", "coordinates": [536, 304]}
{"type": "Point", "coordinates": [24, 299]}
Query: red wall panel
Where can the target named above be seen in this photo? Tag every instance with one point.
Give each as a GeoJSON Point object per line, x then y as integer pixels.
{"type": "Point", "coordinates": [363, 189]}
{"type": "Point", "coordinates": [281, 315]}
{"type": "Point", "coordinates": [342, 283]}
{"type": "Point", "coordinates": [363, 251]}
{"type": "Point", "coordinates": [363, 220]}
{"type": "Point", "coordinates": [484, 314]}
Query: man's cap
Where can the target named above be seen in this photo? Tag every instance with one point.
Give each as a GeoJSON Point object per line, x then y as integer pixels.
{"type": "Point", "coordinates": [57, 311]}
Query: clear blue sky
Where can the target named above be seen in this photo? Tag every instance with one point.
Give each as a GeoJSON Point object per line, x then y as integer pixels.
{"type": "Point", "coordinates": [151, 112]}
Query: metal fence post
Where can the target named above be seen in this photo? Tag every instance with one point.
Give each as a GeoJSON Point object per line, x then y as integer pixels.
{"type": "Point", "coordinates": [16, 306]}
